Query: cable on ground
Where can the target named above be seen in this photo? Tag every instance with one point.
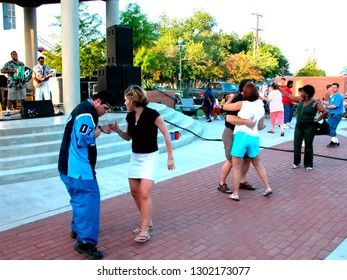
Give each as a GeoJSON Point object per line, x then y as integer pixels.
{"type": "Point", "coordinates": [267, 148]}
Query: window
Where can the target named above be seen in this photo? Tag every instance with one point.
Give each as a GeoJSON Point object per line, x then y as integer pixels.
{"type": "Point", "coordinates": [9, 16]}
{"type": "Point", "coordinates": [217, 86]}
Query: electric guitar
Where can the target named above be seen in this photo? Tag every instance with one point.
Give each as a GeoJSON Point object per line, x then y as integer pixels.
{"type": "Point", "coordinates": [41, 81]}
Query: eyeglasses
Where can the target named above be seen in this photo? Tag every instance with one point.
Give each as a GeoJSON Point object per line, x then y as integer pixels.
{"type": "Point", "coordinates": [134, 87]}
{"type": "Point", "coordinates": [129, 91]}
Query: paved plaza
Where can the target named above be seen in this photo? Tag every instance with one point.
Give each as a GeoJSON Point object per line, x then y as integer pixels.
{"type": "Point", "coordinates": [304, 219]}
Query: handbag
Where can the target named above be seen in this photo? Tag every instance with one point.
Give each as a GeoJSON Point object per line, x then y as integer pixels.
{"type": "Point", "coordinates": [321, 128]}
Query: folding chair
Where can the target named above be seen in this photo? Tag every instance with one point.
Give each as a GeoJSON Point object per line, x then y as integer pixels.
{"type": "Point", "coordinates": [188, 107]}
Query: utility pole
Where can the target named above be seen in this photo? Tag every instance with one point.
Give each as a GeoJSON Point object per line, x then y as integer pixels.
{"type": "Point", "coordinates": [257, 29]}
{"type": "Point", "coordinates": [308, 55]}
{"type": "Point", "coordinates": [180, 44]}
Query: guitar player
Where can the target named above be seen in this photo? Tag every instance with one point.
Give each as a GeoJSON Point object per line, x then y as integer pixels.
{"type": "Point", "coordinates": [41, 75]}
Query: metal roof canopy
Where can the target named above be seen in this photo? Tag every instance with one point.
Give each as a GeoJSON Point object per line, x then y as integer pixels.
{"type": "Point", "coordinates": [37, 3]}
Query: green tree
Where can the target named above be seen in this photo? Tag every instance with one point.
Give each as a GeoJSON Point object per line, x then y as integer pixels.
{"type": "Point", "coordinates": [281, 65]}
{"type": "Point", "coordinates": [237, 45]}
{"type": "Point", "coordinates": [267, 59]}
{"type": "Point", "coordinates": [310, 69]}
{"type": "Point", "coordinates": [264, 62]}
{"type": "Point", "coordinates": [202, 53]}
{"type": "Point", "coordinates": [54, 58]}
{"type": "Point", "coordinates": [238, 67]}
{"type": "Point", "coordinates": [92, 43]}
{"type": "Point", "coordinates": [145, 33]}
{"type": "Point", "coordinates": [206, 54]}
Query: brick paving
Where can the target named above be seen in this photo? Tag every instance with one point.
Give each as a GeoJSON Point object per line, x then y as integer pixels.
{"type": "Point", "coordinates": [305, 219]}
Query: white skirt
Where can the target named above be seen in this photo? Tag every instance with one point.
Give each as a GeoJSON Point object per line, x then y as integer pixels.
{"type": "Point", "coordinates": [143, 166]}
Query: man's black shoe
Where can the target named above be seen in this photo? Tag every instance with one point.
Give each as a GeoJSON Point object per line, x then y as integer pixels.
{"type": "Point", "coordinates": [89, 250]}
{"type": "Point", "coordinates": [73, 234]}
{"type": "Point", "coordinates": [246, 186]}
{"type": "Point", "coordinates": [333, 144]}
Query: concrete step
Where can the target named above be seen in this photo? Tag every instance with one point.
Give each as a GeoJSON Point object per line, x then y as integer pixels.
{"type": "Point", "coordinates": [33, 154]}
{"type": "Point", "coordinates": [20, 160]}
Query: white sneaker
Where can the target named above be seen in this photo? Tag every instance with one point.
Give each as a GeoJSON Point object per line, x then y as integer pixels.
{"type": "Point", "coordinates": [218, 118]}
{"type": "Point", "coordinates": [285, 126]}
{"type": "Point", "coordinates": [212, 118]}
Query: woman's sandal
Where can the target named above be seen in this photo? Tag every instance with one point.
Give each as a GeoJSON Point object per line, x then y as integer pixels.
{"type": "Point", "coordinates": [138, 229]}
{"type": "Point", "coordinates": [271, 131]}
{"type": "Point", "coordinates": [142, 238]}
{"type": "Point", "coordinates": [224, 189]}
{"type": "Point", "coordinates": [234, 197]}
{"type": "Point", "coordinates": [267, 192]}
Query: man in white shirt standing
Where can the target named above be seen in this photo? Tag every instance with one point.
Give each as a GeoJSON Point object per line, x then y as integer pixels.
{"type": "Point", "coordinates": [41, 75]}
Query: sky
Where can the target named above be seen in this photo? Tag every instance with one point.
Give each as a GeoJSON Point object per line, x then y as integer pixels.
{"type": "Point", "coordinates": [302, 29]}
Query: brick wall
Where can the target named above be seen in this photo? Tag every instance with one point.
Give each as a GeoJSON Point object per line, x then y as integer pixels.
{"type": "Point", "coordinates": [159, 97]}
{"type": "Point", "coordinates": [319, 83]}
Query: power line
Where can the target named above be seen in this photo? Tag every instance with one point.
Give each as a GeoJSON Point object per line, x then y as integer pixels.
{"type": "Point", "coordinates": [45, 42]}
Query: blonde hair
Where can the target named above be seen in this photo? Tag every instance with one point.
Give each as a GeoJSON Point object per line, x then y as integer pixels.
{"type": "Point", "coordinates": [136, 95]}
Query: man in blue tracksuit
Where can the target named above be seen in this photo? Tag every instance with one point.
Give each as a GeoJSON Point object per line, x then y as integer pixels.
{"type": "Point", "coordinates": [76, 165]}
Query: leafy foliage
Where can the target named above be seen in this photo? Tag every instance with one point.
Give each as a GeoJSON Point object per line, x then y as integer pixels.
{"type": "Point", "coordinates": [206, 54]}
{"type": "Point", "coordinates": [310, 69]}
{"type": "Point", "coordinates": [239, 67]}
{"type": "Point", "coordinates": [91, 40]}
{"type": "Point", "coordinates": [145, 33]}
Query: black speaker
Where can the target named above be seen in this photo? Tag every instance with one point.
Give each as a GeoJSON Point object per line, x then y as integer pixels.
{"type": "Point", "coordinates": [36, 109]}
{"type": "Point", "coordinates": [117, 79]}
{"type": "Point", "coordinates": [84, 91]}
{"type": "Point", "coordinates": [3, 81]}
{"type": "Point", "coordinates": [119, 45]}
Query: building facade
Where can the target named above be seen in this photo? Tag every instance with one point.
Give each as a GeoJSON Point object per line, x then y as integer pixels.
{"type": "Point", "coordinates": [12, 32]}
